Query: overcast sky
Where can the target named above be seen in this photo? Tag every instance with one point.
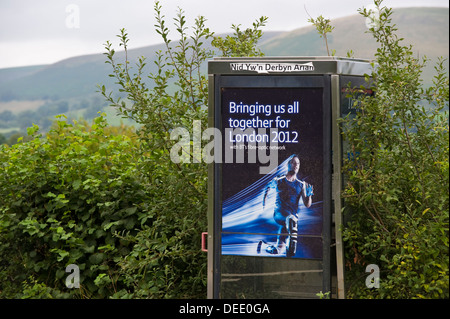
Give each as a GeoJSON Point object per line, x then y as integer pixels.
{"type": "Point", "coordinates": [46, 31]}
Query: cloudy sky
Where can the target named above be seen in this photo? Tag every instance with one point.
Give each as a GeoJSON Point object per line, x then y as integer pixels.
{"type": "Point", "coordinates": [46, 31]}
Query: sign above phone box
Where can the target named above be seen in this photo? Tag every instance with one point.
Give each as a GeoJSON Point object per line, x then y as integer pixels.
{"type": "Point", "coordinates": [283, 65]}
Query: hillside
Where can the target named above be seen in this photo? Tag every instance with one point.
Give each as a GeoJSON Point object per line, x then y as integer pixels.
{"type": "Point", "coordinates": [68, 78]}
{"type": "Point", "coordinates": [71, 78]}
{"type": "Point", "coordinates": [427, 29]}
{"type": "Point", "coordinates": [70, 85]}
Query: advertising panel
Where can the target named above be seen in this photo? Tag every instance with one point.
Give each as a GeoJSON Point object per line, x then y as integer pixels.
{"type": "Point", "coordinates": [272, 175]}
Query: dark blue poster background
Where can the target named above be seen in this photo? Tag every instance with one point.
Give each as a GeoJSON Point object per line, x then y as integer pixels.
{"type": "Point", "coordinates": [248, 224]}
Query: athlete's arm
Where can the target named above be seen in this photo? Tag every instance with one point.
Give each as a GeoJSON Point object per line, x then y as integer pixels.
{"type": "Point", "coordinates": [270, 185]}
{"type": "Point", "coordinates": [307, 193]}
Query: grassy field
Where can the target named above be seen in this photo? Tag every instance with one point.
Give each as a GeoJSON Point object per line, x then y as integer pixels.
{"type": "Point", "coordinates": [19, 106]}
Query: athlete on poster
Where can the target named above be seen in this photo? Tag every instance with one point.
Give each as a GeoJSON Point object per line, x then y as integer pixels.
{"type": "Point", "coordinates": [277, 213]}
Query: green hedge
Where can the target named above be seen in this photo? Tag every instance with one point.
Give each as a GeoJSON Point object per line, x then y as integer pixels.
{"type": "Point", "coordinates": [77, 196]}
{"type": "Point", "coordinates": [397, 181]}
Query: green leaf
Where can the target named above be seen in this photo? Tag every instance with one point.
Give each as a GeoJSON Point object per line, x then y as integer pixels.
{"type": "Point", "coordinates": [97, 258]}
{"type": "Point", "coordinates": [76, 184]}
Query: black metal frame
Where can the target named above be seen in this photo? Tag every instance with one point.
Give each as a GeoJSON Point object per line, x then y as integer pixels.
{"type": "Point", "coordinates": [322, 81]}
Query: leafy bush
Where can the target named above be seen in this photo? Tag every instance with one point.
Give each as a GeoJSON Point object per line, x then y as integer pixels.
{"type": "Point", "coordinates": [243, 42]}
{"type": "Point", "coordinates": [108, 200]}
{"type": "Point", "coordinates": [398, 180]}
{"type": "Point", "coordinates": [77, 196]}
{"type": "Point", "coordinates": [62, 199]}
{"type": "Point", "coordinates": [166, 261]}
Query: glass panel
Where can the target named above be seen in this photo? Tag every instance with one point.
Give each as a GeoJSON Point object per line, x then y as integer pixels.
{"type": "Point", "coordinates": [256, 277]}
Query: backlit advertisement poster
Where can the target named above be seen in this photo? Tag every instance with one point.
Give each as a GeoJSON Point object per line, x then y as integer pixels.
{"type": "Point", "coordinates": [272, 176]}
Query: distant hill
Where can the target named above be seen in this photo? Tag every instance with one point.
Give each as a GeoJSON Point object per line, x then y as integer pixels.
{"type": "Point", "coordinates": [427, 29]}
{"type": "Point", "coordinates": [73, 77]}
{"type": "Point", "coordinates": [11, 74]}
{"type": "Point", "coordinates": [71, 84]}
